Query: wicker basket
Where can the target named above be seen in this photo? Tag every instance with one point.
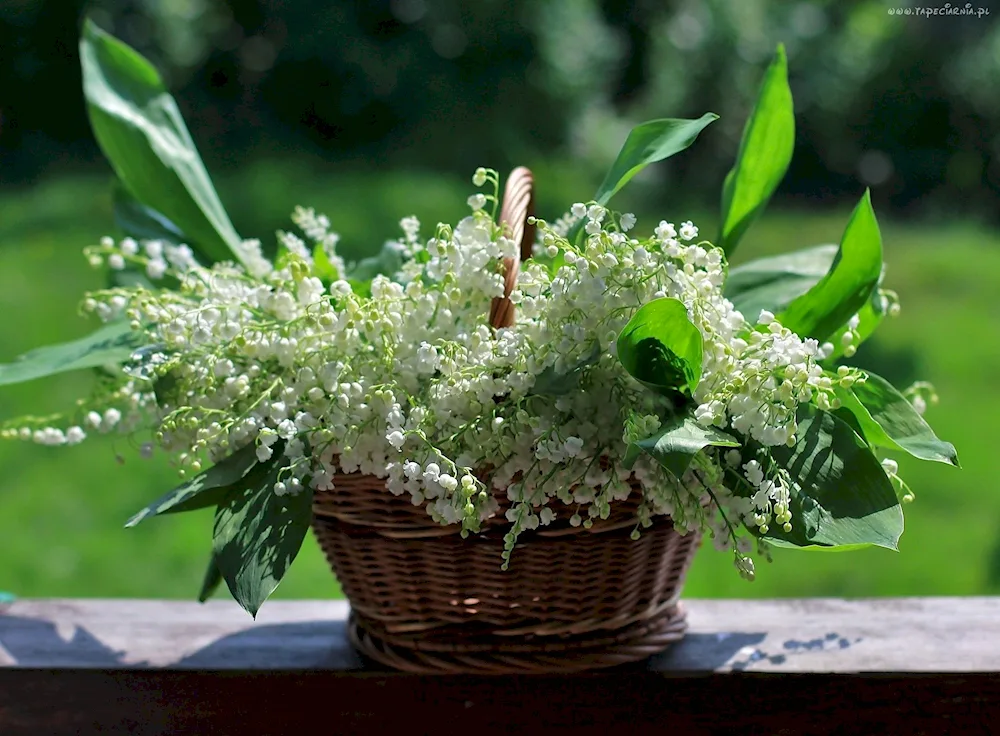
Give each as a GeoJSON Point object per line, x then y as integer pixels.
{"type": "Point", "coordinates": [425, 600]}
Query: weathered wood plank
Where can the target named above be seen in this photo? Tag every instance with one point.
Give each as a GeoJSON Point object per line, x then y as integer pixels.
{"type": "Point", "coordinates": [914, 666]}
{"type": "Point", "coordinates": [123, 634]}
{"type": "Point", "coordinates": [959, 635]}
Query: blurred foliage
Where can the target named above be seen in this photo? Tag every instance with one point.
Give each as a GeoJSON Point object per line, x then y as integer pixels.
{"type": "Point", "coordinates": [907, 105]}
{"type": "Point", "coordinates": [407, 80]}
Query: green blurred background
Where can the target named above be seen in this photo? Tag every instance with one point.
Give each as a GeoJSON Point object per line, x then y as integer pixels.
{"type": "Point", "coordinates": [374, 111]}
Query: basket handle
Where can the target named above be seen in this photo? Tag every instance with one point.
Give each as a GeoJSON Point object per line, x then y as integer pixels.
{"type": "Point", "coordinates": [518, 205]}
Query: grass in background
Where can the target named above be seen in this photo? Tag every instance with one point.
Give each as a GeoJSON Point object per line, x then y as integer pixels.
{"type": "Point", "coordinates": [62, 510]}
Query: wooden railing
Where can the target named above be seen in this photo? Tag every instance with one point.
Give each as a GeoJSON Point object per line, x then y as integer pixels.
{"type": "Point", "coordinates": [896, 665]}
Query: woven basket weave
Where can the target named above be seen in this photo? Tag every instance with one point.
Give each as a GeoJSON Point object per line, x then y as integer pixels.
{"type": "Point", "coordinates": [425, 600]}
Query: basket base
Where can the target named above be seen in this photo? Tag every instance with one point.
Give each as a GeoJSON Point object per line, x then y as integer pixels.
{"type": "Point", "coordinates": [594, 650]}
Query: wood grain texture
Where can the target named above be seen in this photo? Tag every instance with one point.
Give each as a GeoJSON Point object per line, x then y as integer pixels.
{"type": "Point", "coordinates": [909, 666]}
{"type": "Point", "coordinates": [959, 635]}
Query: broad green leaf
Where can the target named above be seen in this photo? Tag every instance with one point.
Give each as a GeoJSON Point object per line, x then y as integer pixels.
{"type": "Point", "coordinates": [141, 222]}
{"type": "Point", "coordinates": [763, 157]}
{"type": "Point", "coordinates": [551, 383]}
{"type": "Point", "coordinates": [163, 388]}
{"type": "Point", "coordinates": [661, 348]}
{"type": "Point", "coordinates": [388, 262]}
{"type": "Point", "coordinates": [870, 316]}
{"type": "Point", "coordinates": [854, 413]}
{"type": "Point", "coordinates": [773, 283]}
{"type": "Point", "coordinates": [111, 344]}
{"type": "Point", "coordinates": [838, 548]}
{"type": "Point", "coordinates": [840, 494]}
{"type": "Point", "coordinates": [208, 488]}
{"type": "Point", "coordinates": [361, 288]}
{"type": "Point", "coordinates": [888, 420]}
{"type": "Point", "coordinates": [140, 129]}
{"type": "Point", "coordinates": [648, 143]}
{"type": "Point", "coordinates": [257, 535]}
{"type": "Point", "coordinates": [213, 577]}
{"type": "Point", "coordinates": [676, 443]}
{"type": "Point", "coordinates": [849, 283]}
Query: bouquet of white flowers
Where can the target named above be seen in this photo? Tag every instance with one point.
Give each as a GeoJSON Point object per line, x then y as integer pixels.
{"type": "Point", "coordinates": [640, 367]}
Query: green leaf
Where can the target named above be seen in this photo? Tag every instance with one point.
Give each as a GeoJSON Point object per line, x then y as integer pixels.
{"type": "Point", "coordinates": [648, 143]}
{"type": "Point", "coordinates": [814, 548]}
{"type": "Point", "coordinates": [855, 414]}
{"type": "Point", "coordinates": [208, 488]}
{"type": "Point", "coordinates": [257, 535]}
{"type": "Point", "coordinates": [661, 348]}
{"type": "Point", "coordinates": [111, 344]}
{"type": "Point", "coordinates": [888, 420]}
{"type": "Point", "coordinates": [763, 157]}
{"type": "Point", "coordinates": [773, 283]}
{"type": "Point", "coordinates": [361, 288]}
{"type": "Point", "coordinates": [141, 222]}
{"type": "Point", "coordinates": [849, 283]}
{"type": "Point", "coordinates": [323, 268]}
{"type": "Point", "coordinates": [164, 386]}
{"type": "Point", "coordinates": [213, 577]}
{"type": "Point", "coordinates": [870, 316]}
{"type": "Point", "coordinates": [140, 129]}
{"type": "Point", "coordinates": [551, 383]}
{"type": "Point", "coordinates": [388, 262]}
{"type": "Point", "coordinates": [840, 495]}
{"type": "Point", "coordinates": [676, 443]}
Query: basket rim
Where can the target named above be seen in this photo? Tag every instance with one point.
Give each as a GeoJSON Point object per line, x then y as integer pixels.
{"type": "Point", "coordinates": [362, 501]}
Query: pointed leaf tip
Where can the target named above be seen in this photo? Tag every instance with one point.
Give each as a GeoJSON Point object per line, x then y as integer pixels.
{"type": "Point", "coordinates": [847, 286]}
{"type": "Point", "coordinates": [763, 157]}
{"type": "Point", "coordinates": [135, 519]}
{"type": "Point", "coordinates": [887, 419]}
{"type": "Point", "coordinates": [649, 142]}
{"type": "Point", "coordinates": [139, 127]}
{"type": "Point", "coordinates": [258, 534]}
